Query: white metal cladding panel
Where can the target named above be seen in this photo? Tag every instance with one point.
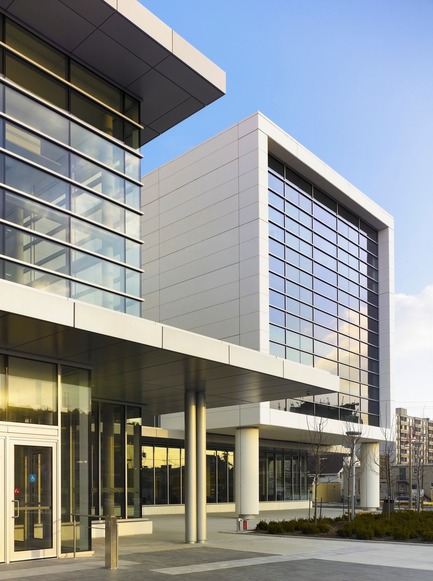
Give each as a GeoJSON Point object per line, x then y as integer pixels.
{"type": "Point", "coordinates": [386, 323]}
{"type": "Point", "coordinates": [196, 183]}
{"type": "Point", "coordinates": [225, 329]}
{"type": "Point", "coordinates": [210, 282]}
{"type": "Point", "coordinates": [198, 243]}
{"type": "Point", "coordinates": [199, 300]}
{"type": "Point", "coordinates": [216, 315]}
{"type": "Point", "coordinates": [195, 155]}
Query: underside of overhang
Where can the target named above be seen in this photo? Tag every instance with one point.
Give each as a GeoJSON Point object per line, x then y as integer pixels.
{"type": "Point", "coordinates": [129, 46]}
{"type": "Point", "coordinates": [333, 435]}
{"type": "Point", "coordinates": [136, 360]}
{"type": "Point", "coordinates": [127, 371]}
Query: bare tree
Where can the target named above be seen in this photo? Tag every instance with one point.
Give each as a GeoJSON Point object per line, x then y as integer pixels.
{"type": "Point", "coordinates": [316, 430]}
{"type": "Point", "coordinates": [387, 461]}
{"type": "Point", "coordinates": [351, 439]}
{"type": "Point", "coordinates": [418, 463]}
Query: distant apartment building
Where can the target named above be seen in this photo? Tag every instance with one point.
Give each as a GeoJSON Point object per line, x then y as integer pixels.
{"type": "Point", "coordinates": [414, 438]}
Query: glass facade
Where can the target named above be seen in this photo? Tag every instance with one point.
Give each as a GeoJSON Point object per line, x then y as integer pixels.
{"type": "Point", "coordinates": [69, 177]}
{"type": "Point", "coordinates": [28, 391]}
{"type": "Point", "coordinates": [324, 295]}
{"type": "Point", "coordinates": [45, 393]}
{"type": "Point", "coordinates": [75, 418]}
{"type": "Point", "coordinates": [282, 475]}
{"type": "Point", "coordinates": [163, 473]}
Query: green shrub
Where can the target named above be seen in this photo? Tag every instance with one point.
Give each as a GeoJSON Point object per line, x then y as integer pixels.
{"type": "Point", "coordinates": [276, 528]}
{"type": "Point", "coordinates": [262, 525]}
{"type": "Point", "coordinates": [401, 525]}
{"type": "Point", "coordinates": [427, 535]}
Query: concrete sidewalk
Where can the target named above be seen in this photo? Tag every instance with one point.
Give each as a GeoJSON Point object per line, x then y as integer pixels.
{"type": "Point", "coordinates": [237, 556]}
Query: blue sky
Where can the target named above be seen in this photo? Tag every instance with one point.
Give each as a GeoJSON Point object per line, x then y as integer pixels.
{"type": "Point", "coordinates": [352, 80]}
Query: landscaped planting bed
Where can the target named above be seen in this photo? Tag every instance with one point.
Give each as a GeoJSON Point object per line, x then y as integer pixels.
{"type": "Point", "coordinates": [398, 526]}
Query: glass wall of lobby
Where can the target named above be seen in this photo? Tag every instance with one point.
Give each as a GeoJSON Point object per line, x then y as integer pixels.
{"type": "Point", "coordinates": [35, 394]}
{"type": "Point", "coordinates": [106, 466]}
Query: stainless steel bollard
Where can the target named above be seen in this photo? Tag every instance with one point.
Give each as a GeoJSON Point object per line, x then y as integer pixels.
{"type": "Point", "coordinates": [111, 543]}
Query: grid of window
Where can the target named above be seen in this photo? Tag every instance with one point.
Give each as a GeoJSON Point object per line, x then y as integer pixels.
{"type": "Point", "coordinates": [323, 278]}
{"type": "Point", "coordinates": [69, 207]}
{"type": "Point", "coordinates": [45, 71]}
{"type": "Point", "coordinates": [163, 473]}
{"type": "Point", "coordinates": [282, 475]}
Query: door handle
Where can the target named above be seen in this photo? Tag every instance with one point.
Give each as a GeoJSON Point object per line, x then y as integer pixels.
{"type": "Point", "coordinates": [16, 508]}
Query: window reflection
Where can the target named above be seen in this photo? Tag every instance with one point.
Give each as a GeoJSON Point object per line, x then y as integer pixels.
{"type": "Point", "coordinates": [174, 475]}
{"type": "Point", "coordinates": [282, 475]}
{"type": "Point", "coordinates": [36, 149]}
{"type": "Point", "coordinates": [133, 461]}
{"type": "Point", "coordinates": [32, 391]}
{"type": "Point", "coordinates": [35, 81]}
{"type": "Point", "coordinates": [36, 217]}
{"type": "Point", "coordinates": [98, 240]}
{"type": "Point", "coordinates": [36, 115]}
{"type": "Point", "coordinates": [75, 465]}
{"type": "Point", "coordinates": [97, 209]}
{"type": "Point", "coordinates": [96, 147]}
{"type": "Point", "coordinates": [97, 178]}
{"type": "Point", "coordinates": [35, 182]}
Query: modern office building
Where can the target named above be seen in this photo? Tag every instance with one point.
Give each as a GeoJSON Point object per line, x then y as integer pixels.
{"type": "Point", "coordinates": [83, 86]}
{"type": "Point", "coordinates": [252, 239]}
{"type": "Point", "coordinates": [100, 334]}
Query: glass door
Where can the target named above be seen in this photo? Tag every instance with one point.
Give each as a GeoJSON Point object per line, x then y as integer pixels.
{"type": "Point", "coordinates": [32, 501]}
{"type": "Point", "coordinates": [3, 536]}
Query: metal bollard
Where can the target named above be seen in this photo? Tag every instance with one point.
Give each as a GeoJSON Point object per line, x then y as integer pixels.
{"type": "Point", "coordinates": [111, 543]}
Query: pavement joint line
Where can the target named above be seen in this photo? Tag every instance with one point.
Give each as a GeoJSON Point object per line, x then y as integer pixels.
{"type": "Point", "coordinates": [65, 568]}
{"type": "Point", "coordinates": [249, 562]}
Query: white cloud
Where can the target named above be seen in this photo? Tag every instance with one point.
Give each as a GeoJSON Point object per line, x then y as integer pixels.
{"type": "Point", "coordinates": [413, 379]}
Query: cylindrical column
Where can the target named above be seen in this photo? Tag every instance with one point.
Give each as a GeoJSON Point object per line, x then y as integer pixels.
{"type": "Point", "coordinates": [247, 472]}
{"type": "Point", "coordinates": [370, 477]}
{"type": "Point", "coordinates": [190, 469]}
{"type": "Point", "coordinates": [201, 466]}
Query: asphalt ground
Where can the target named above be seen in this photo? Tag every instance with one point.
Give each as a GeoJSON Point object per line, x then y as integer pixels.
{"type": "Point", "coordinates": [232, 556]}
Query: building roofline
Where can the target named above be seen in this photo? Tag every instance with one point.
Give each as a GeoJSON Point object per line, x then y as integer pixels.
{"type": "Point", "coordinates": [127, 44]}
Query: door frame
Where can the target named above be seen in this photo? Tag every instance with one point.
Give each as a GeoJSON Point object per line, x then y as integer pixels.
{"type": "Point", "coordinates": [37, 440]}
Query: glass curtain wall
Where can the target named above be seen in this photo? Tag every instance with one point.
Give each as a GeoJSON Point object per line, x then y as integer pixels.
{"type": "Point", "coordinates": [163, 473]}
{"type": "Point", "coordinates": [115, 460]}
{"type": "Point", "coordinates": [75, 415]}
{"type": "Point", "coordinates": [282, 475]}
{"type": "Point", "coordinates": [29, 394]}
{"type": "Point", "coordinates": [133, 461]}
{"type": "Point", "coordinates": [32, 392]}
{"type": "Point", "coordinates": [70, 190]}
{"type": "Point", "coordinates": [324, 294]}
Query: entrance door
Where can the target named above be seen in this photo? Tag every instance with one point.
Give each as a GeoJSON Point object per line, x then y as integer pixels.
{"type": "Point", "coordinates": [31, 503]}
{"type": "Point", "coordinates": [2, 496]}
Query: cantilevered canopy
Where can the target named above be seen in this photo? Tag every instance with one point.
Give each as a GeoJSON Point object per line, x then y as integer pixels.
{"type": "Point", "coordinates": [130, 46]}
{"type": "Point", "coordinates": [140, 361]}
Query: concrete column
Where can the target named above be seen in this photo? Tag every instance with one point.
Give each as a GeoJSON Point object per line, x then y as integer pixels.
{"type": "Point", "coordinates": [190, 468]}
{"type": "Point", "coordinates": [247, 471]}
{"type": "Point", "coordinates": [370, 476]}
{"type": "Point", "coordinates": [201, 466]}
